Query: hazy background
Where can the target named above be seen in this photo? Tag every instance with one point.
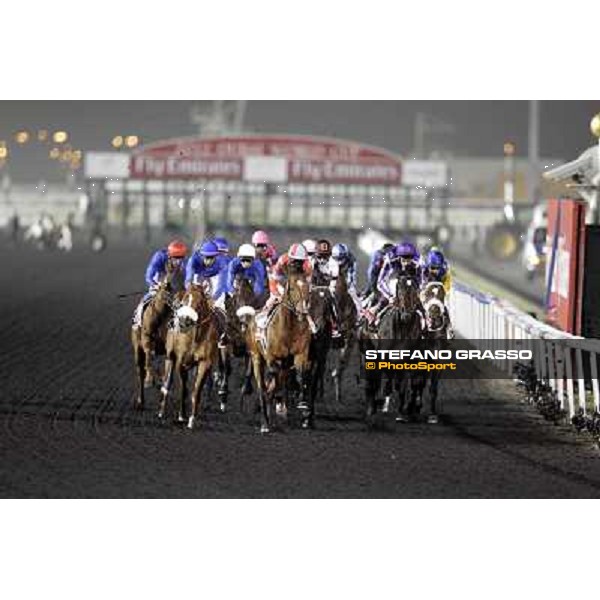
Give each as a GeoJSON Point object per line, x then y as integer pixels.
{"type": "Point", "coordinates": [468, 128]}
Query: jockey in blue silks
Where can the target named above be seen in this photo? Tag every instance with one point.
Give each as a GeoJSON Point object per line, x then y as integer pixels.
{"type": "Point", "coordinates": [246, 265]}
{"type": "Point", "coordinates": [205, 268]}
{"type": "Point", "coordinates": [172, 258]}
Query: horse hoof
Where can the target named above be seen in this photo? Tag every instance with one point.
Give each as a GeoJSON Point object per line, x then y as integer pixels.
{"type": "Point", "coordinates": [433, 419]}
{"type": "Point", "coordinates": [223, 407]}
{"type": "Point", "coordinates": [164, 390]}
{"type": "Point", "coordinates": [191, 423]}
{"type": "Point", "coordinates": [401, 419]}
{"type": "Point", "coordinates": [307, 424]}
{"type": "Point", "coordinates": [265, 429]}
{"type": "Point", "coordinates": [280, 409]}
{"type": "Point", "coordinates": [386, 406]}
{"type": "Point", "coordinates": [181, 418]}
{"type": "Point", "coordinates": [161, 415]}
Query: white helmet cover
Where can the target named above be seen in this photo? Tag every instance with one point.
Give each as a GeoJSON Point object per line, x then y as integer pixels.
{"type": "Point", "coordinates": [246, 251]}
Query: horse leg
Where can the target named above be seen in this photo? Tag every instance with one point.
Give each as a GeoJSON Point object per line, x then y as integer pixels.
{"type": "Point", "coordinates": [202, 373]}
{"type": "Point", "coordinates": [259, 366]}
{"type": "Point", "coordinates": [224, 370]}
{"type": "Point", "coordinates": [147, 345]}
{"type": "Point", "coordinates": [388, 387]}
{"type": "Point", "coordinates": [403, 410]}
{"type": "Point", "coordinates": [433, 394]}
{"type": "Point", "coordinates": [247, 383]}
{"type": "Point", "coordinates": [182, 374]}
{"type": "Point", "coordinates": [307, 398]}
{"type": "Point", "coordinates": [166, 388]}
{"type": "Point", "coordinates": [141, 373]}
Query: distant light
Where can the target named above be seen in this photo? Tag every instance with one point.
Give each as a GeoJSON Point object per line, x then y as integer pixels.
{"type": "Point", "coordinates": [60, 137]}
{"type": "Point", "coordinates": [54, 153]}
{"type": "Point", "coordinates": [117, 141]}
{"type": "Point", "coordinates": [42, 135]}
{"type": "Point", "coordinates": [3, 152]}
{"type": "Point", "coordinates": [595, 125]}
{"type": "Point", "coordinates": [22, 137]}
{"type": "Point", "coordinates": [131, 141]}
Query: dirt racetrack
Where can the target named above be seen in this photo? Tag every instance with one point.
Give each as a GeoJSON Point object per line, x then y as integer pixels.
{"type": "Point", "coordinates": [67, 428]}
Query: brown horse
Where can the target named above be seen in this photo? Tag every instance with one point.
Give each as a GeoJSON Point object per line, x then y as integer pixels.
{"type": "Point", "coordinates": [191, 343]}
{"type": "Point", "coordinates": [347, 316]}
{"type": "Point", "coordinates": [286, 344]}
{"type": "Point", "coordinates": [148, 340]}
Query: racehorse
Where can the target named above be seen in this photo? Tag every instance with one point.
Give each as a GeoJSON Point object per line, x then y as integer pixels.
{"type": "Point", "coordinates": [347, 317]}
{"type": "Point", "coordinates": [149, 338]}
{"type": "Point", "coordinates": [286, 343]}
{"type": "Point", "coordinates": [320, 341]}
{"type": "Point", "coordinates": [401, 322]}
{"type": "Point", "coordinates": [191, 343]}
{"type": "Point", "coordinates": [241, 302]}
{"type": "Point", "coordinates": [437, 327]}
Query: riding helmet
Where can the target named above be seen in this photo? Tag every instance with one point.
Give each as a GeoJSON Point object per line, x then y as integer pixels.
{"type": "Point", "coordinates": [323, 249]}
{"type": "Point", "coordinates": [177, 249]}
{"type": "Point", "coordinates": [222, 245]}
{"type": "Point", "coordinates": [340, 251]}
{"type": "Point", "coordinates": [311, 246]}
{"type": "Point", "coordinates": [297, 252]}
{"type": "Point", "coordinates": [209, 249]}
{"type": "Point", "coordinates": [246, 251]}
{"type": "Point", "coordinates": [260, 238]}
{"type": "Point", "coordinates": [435, 259]}
{"type": "Point", "coordinates": [406, 250]}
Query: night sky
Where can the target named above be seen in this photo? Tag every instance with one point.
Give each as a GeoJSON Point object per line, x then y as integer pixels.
{"type": "Point", "coordinates": [480, 126]}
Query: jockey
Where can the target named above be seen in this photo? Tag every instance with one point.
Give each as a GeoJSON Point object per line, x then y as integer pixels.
{"type": "Point", "coordinates": [402, 260]}
{"type": "Point", "coordinates": [311, 247]}
{"type": "Point", "coordinates": [265, 252]}
{"type": "Point", "coordinates": [247, 267]}
{"type": "Point", "coordinates": [377, 260]}
{"type": "Point", "coordinates": [294, 260]}
{"type": "Point", "coordinates": [171, 258]}
{"type": "Point", "coordinates": [326, 272]}
{"type": "Point", "coordinates": [347, 265]}
{"type": "Point", "coordinates": [436, 268]}
{"type": "Point", "coordinates": [204, 267]}
{"type": "Point", "coordinates": [223, 247]}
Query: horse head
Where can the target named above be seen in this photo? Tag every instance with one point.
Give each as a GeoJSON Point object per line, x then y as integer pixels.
{"type": "Point", "coordinates": [432, 298]}
{"type": "Point", "coordinates": [194, 304]}
{"type": "Point", "coordinates": [319, 299]}
{"type": "Point", "coordinates": [297, 295]}
{"type": "Point", "coordinates": [407, 298]}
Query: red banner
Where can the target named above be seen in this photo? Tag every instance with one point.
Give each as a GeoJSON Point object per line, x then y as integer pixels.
{"type": "Point", "coordinates": [308, 159]}
{"type": "Point", "coordinates": [566, 234]}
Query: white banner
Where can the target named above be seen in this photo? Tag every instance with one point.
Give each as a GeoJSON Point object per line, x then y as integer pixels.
{"type": "Point", "coordinates": [428, 173]}
{"type": "Point", "coordinates": [106, 165]}
{"type": "Point", "coordinates": [270, 169]}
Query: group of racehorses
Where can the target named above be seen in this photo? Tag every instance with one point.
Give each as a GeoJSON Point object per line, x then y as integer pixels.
{"type": "Point", "coordinates": [287, 358]}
